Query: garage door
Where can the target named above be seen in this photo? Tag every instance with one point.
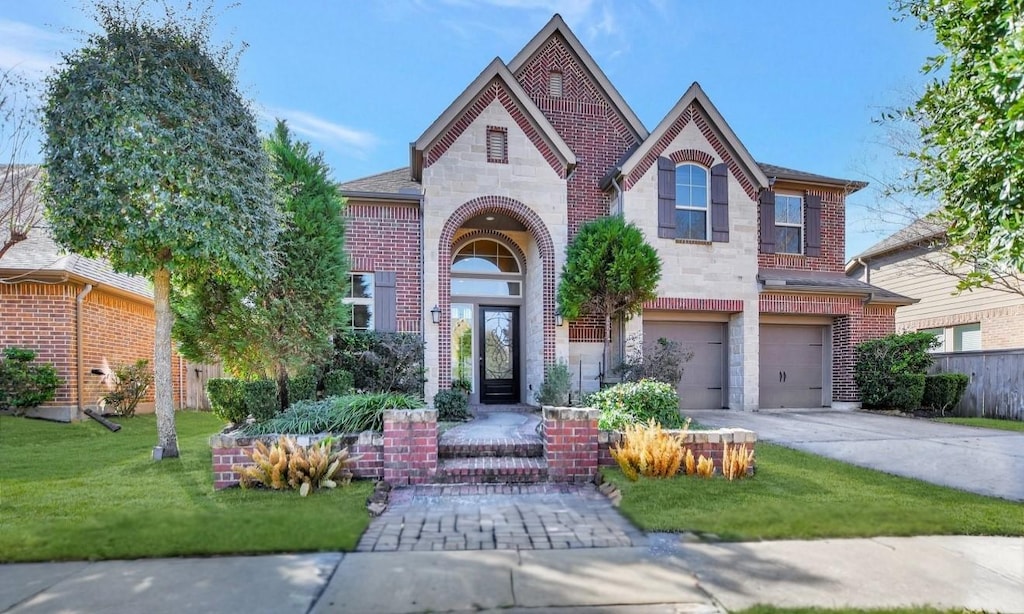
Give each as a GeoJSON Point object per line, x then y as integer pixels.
{"type": "Point", "coordinates": [791, 365]}
{"type": "Point", "coordinates": [703, 376]}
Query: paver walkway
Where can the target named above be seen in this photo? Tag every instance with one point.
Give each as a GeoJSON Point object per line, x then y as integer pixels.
{"type": "Point", "coordinates": [498, 517]}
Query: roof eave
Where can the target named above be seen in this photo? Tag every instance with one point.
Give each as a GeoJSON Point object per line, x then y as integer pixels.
{"type": "Point", "coordinates": [60, 276]}
{"type": "Point", "coordinates": [867, 296]}
{"type": "Point", "coordinates": [392, 196]}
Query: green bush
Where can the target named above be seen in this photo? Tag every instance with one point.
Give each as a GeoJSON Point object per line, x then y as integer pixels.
{"type": "Point", "coordinates": [302, 388]}
{"type": "Point", "coordinates": [907, 392]}
{"type": "Point", "coordinates": [131, 382]}
{"type": "Point", "coordinates": [556, 387]}
{"type": "Point", "coordinates": [382, 362]}
{"type": "Point", "coordinates": [943, 391]}
{"type": "Point", "coordinates": [260, 399]}
{"type": "Point", "coordinates": [226, 399]}
{"type": "Point", "coordinates": [24, 384]}
{"type": "Point", "coordinates": [337, 382]}
{"type": "Point", "coordinates": [451, 405]}
{"type": "Point", "coordinates": [881, 362]}
{"type": "Point", "coordinates": [352, 413]}
{"type": "Point", "coordinates": [631, 402]}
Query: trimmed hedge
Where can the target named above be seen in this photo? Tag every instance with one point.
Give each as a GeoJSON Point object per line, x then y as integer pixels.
{"type": "Point", "coordinates": [943, 391]}
{"type": "Point", "coordinates": [882, 365]}
{"type": "Point", "coordinates": [907, 391]}
{"type": "Point", "coordinates": [451, 405]}
{"type": "Point", "coordinates": [235, 400]}
{"type": "Point", "coordinates": [632, 402]}
{"type": "Point", "coordinates": [23, 383]}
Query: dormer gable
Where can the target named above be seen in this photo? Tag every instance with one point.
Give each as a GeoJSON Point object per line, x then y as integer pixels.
{"type": "Point", "coordinates": [496, 82]}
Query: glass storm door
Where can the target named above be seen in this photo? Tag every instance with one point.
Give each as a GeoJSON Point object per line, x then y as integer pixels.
{"type": "Point", "coordinates": [499, 355]}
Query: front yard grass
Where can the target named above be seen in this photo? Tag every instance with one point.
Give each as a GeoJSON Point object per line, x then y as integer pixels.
{"type": "Point", "coordinates": [988, 423]}
{"type": "Point", "coordinates": [796, 495]}
{"type": "Point", "coordinates": [77, 491]}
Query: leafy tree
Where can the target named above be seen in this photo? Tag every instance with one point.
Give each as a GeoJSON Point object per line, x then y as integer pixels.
{"type": "Point", "coordinates": [154, 163]}
{"type": "Point", "coordinates": [971, 118]}
{"type": "Point", "coordinates": [610, 271]}
{"type": "Point", "coordinates": [286, 323]}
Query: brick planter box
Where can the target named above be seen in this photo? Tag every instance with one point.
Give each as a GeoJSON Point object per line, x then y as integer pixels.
{"type": "Point", "coordinates": [710, 444]}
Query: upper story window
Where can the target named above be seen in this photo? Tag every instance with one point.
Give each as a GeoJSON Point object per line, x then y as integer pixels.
{"type": "Point", "coordinates": [497, 145]}
{"type": "Point", "coordinates": [555, 83]}
{"type": "Point", "coordinates": [486, 268]}
{"type": "Point", "coordinates": [691, 202]}
{"type": "Point", "coordinates": [360, 297]}
{"type": "Point", "coordinates": [789, 224]}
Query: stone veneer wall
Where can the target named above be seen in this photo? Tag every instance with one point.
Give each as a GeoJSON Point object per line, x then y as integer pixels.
{"type": "Point", "coordinates": [710, 443]}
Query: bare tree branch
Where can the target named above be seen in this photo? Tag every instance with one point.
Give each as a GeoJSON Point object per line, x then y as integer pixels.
{"type": "Point", "coordinates": [20, 208]}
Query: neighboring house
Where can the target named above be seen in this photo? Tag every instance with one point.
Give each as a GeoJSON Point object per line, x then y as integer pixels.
{"type": "Point", "coordinates": [78, 314]}
{"type": "Point", "coordinates": [467, 243]}
{"type": "Point", "coordinates": [915, 262]}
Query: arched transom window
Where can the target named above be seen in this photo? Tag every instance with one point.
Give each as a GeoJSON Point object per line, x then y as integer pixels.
{"type": "Point", "coordinates": [485, 267]}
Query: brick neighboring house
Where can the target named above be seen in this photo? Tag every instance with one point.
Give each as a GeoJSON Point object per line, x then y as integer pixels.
{"type": "Point", "coordinates": [78, 314]}
{"type": "Point", "coordinates": [914, 261]}
{"type": "Point", "coordinates": [466, 244]}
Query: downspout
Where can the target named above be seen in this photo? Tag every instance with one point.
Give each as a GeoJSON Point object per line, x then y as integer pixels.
{"type": "Point", "coordinates": [867, 269]}
{"type": "Point", "coordinates": [80, 351]}
{"type": "Point", "coordinates": [618, 197]}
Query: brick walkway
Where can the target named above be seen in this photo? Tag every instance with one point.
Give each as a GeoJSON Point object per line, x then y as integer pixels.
{"type": "Point", "coordinates": [502, 517]}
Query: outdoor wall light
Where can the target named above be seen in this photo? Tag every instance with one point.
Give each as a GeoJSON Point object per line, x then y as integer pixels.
{"type": "Point", "coordinates": [558, 318]}
{"type": "Point", "coordinates": [435, 315]}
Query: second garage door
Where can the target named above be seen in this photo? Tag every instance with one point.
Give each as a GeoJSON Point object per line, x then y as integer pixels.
{"type": "Point", "coordinates": [791, 365]}
{"type": "Point", "coordinates": [702, 385]}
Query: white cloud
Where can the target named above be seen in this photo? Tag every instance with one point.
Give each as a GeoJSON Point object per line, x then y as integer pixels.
{"type": "Point", "coordinates": [29, 50]}
{"type": "Point", "coordinates": [323, 131]}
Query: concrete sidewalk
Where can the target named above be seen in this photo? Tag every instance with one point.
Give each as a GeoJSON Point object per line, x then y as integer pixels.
{"type": "Point", "coordinates": [979, 573]}
{"type": "Point", "coordinates": [984, 461]}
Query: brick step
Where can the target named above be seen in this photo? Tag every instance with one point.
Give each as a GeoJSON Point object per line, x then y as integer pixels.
{"type": "Point", "coordinates": [475, 448]}
{"type": "Point", "coordinates": [491, 470]}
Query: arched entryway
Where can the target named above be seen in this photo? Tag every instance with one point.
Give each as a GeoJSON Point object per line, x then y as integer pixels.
{"type": "Point", "coordinates": [497, 281]}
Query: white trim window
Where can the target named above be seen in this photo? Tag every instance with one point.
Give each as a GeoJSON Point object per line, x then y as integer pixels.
{"type": "Point", "coordinates": [360, 297]}
{"type": "Point", "coordinates": [692, 219]}
{"type": "Point", "coordinates": [789, 224]}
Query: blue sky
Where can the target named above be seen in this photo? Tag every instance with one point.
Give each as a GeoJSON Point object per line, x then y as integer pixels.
{"type": "Point", "coordinates": [799, 81]}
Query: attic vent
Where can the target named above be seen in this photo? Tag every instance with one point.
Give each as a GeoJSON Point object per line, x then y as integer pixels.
{"type": "Point", "coordinates": [555, 84]}
{"type": "Point", "coordinates": [497, 145]}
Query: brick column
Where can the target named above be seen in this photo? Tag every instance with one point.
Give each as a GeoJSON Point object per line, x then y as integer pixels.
{"type": "Point", "coordinates": [410, 446]}
{"type": "Point", "coordinates": [570, 443]}
{"type": "Point", "coordinates": [228, 451]}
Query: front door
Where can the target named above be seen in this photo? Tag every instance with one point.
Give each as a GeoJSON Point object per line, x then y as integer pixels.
{"type": "Point", "coordinates": [499, 355]}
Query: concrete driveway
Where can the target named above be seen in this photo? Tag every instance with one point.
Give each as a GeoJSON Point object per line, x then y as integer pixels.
{"type": "Point", "coordinates": [984, 461]}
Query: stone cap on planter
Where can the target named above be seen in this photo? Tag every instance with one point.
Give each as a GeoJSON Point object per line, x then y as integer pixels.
{"type": "Point", "coordinates": [410, 415]}
{"type": "Point", "coordinates": [566, 414]}
{"type": "Point", "coordinates": [723, 435]}
{"type": "Point", "coordinates": [235, 439]}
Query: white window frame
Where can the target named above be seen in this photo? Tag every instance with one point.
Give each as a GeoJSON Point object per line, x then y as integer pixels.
{"type": "Point", "coordinates": [707, 199]}
{"type": "Point", "coordinates": [369, 302]}
{"type": "Point", "coordinates": [799, 225]}
{"type": "Point", "coordinates": [958, 336]}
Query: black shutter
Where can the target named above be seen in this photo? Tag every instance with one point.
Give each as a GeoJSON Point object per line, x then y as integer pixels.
{"type": "Point", "coordinates": [766, 205]}
{"type": "Point", "coordinates": [720, 203]}
{"type": "Point", "coordinates": [385, 302]}
{"type": "Point", "coordinates": [666, 198]}
{"type": "Point", "coordinates": [812, 206]}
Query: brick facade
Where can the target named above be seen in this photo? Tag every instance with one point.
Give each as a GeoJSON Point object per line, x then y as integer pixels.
{"type": "Point", "coordinates": [833, 234]}
{"type": "Point", "coordinates": [116, 330]}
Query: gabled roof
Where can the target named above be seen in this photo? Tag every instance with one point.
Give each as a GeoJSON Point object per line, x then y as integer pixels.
{"type": "Point", "coordinates": [920, 231]}
{"type": "Point", "coordinates": [394, 184]}
{"type": "Point", "coordinates": [780, 172]}
{"type": "Point", "coordinates": [495, 70]}
{"type": "Point", "coordinates": [696, 95]}
{"type": "Point", "coordinates": [558, 26]}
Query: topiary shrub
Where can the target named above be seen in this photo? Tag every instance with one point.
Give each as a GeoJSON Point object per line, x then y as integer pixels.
{"type": "Point", "coordinates": [633, 402]}
{"type": "Point", "coordinates": [302, 388]}
{"type": "Point", "coordinates": [451, 405]}
{"type": "Point", "coordinates": [24, 384]}
{"type": "Point", "coordinates": [337, 382]}
{"type": "Point", "coordinates": [907, 392]}
{"type": "Point", "coordinates": [881, 362]}
{"type": "Point", "coordinates": [226, 399]}
{"type": "Point", "coordinates": [260, 399]}
{"type": "Point", "coordinates": [557, 385]}
{"type": "Point", "coordinates": [943, 391]}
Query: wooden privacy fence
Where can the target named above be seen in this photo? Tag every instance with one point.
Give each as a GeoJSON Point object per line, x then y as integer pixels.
{"type": "Point", "coordinates": [996, 389]}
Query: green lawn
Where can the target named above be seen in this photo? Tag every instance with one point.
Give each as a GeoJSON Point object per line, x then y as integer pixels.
{"type": "Point", "coordinates": [802, 496]}
{"type": "Point", "coordinates": [78, 491]}
{"type": "Point", "coordinates": [988, 423]}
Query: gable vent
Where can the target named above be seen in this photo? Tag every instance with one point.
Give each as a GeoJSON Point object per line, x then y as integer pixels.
{"type": "Point", "coordinates": [555, 84]}
{"type": "Point", "coordinates": [497, 145]}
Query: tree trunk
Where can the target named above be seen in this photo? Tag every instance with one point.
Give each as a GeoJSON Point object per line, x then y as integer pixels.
{"type": "Point", "coordinates": [167, 437]}
{"type": "Point", "coordinates": [606, 369]}
{"type": "Point", "coordinates": [282, 386]}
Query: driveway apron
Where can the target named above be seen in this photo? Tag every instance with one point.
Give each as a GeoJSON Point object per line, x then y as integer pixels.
{"type": "Point", "coordinates": [983, 461]}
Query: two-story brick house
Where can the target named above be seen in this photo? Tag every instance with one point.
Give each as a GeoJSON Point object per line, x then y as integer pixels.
{"type": "Point", "coordinates": [466, 244]}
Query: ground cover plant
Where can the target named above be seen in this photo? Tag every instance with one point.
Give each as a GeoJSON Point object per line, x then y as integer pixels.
{"type": "Point", "coordinates": [796, 495]}
{"type": "Point", "coordinates": [988, 423]}
{"type": "Point", "coordinates": [77, 491]}
{"type": "Point", "coordinates": [353, 413]}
